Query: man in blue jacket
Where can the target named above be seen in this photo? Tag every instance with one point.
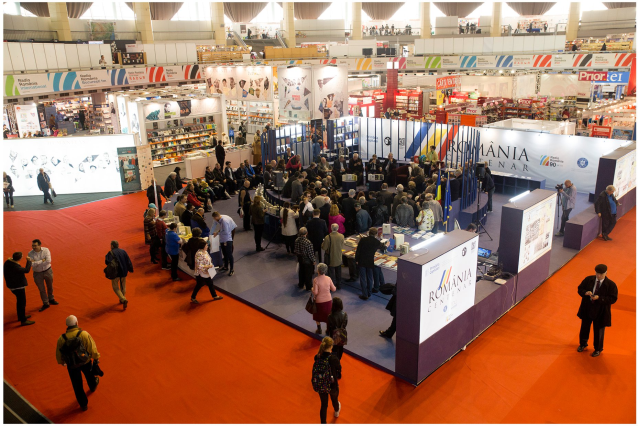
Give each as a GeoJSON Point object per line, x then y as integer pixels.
{"type": "Point", "coordinates": [363, 220]}
{"type": "Point", "coordinates": [124, 267]}
{"type": "Point", "coordinates": [173, 242]}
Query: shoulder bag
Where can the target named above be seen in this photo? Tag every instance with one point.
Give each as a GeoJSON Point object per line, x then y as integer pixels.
{"type": "Point", "coordinates": [311, 305]}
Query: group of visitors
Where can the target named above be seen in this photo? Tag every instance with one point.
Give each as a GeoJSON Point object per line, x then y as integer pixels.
{"type": "Point", "coordinates": [375, 30]}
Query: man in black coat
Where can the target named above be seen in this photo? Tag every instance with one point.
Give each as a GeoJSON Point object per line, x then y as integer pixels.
{"type": "Point", "coordinates": [391, 307]}
{"type": "Point", "coordinates": [288, 186]}
{"type": "Point", "coordinates": [390, 164]}
{"type": "Point", "coordinates": [339, 167]}
{"type": "Point", "coordinates": [387, 196]}
{"type": "Point", "coordinates": [489, 188]}
{"type": "Point", "coordinates": [220, 154]}
{"type": "Point", "coordinates": [317, 229]}
{"type": "Point", "coordinates": [607, 208]}
{"type": "Point", "coordinates": [125, 266]}
{"type": "Point", "coordinates": [170, 185]}
{"type": "Point", "coordinates": [349, 212]}
{"type": "Point", "coordinates": [598, 293]}
{"type": "Point", "coordinates": [186, 216]}
{"type": "Point", "coordinates": [365, 255]}
{"type": "Point", "coordinates": [356, 167]}
{"type": "Point", "coordinates": [43, 185]}
{"type": "Point", "coordinates": [231, 178]}
{"type": "Point", "coordinates": [151, 196]}
{"type": "Point", "coordinates": [16, 280]}
{"type": "Point", "coordinates": [454, 187]}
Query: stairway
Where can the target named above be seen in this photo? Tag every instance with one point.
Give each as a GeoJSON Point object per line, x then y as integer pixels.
{"type": "Point", "coordinates": [18, 410]}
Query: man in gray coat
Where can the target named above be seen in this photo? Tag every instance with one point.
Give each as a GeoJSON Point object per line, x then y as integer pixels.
{"type": "Point", "coordinates": [436, 208]}
{"type": "Point", "coordinates": [296, 189]}
{"type": "Point", "coordinates": [568, 194]}
{"type": "Point", "coordinates": [404, 214]}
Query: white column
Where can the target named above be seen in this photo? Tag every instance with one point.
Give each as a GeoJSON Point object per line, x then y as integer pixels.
{"type": "Point", "coordinates": [573, 21]}
{"type": "Point", "coordinates": [143, 21]}
{"type": "Point", "coordinates": [289, 24]}
{"type": "Point", "coordinates": [356, 20]}
{"type": "Point", "coordinates": [425, 19]}
{"type": "Point", "coordinates": [217, 23]}
{"type": "Point", "coordinates": [495, 19]}
{"type": "Point", "coordinates": [60, 20]}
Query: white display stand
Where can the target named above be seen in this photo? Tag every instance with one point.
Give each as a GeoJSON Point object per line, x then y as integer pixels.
{"type": "Point", "coordinates": [194, 167]}
{"type": "Point", "coordinates": [555, 127]}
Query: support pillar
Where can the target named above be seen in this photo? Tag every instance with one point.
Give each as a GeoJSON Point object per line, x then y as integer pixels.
{"type": "Point", "coordinates": [495, 19]}
{"type": "Point", "coordinates": [425, 19]}
{"type": "Point", "coordinates": [356, 21]}
{"type": "Point", "coordinates": [60, 20]}
{"type": "Point", "coordinates": [289, 24]}
{"type": "Point", "coordinates": [143, 21]}
{"type": "Point", "coordinates": [573, 21]}
{"type": "Point", "coordinates": [217, 23]}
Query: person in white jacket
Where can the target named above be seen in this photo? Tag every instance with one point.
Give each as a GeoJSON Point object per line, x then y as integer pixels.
{"type": "Point", "coordinates": [425, 218]}
{"type": "Point", "coordinates": [289, 227]}
{"type": "Point", "coordinates": [225, 139]}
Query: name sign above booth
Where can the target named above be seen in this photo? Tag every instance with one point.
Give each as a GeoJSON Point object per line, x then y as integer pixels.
{"type": "Point", "coordinates": [608, 76]}
{"type": "Point", "coordinates": [448, 82]}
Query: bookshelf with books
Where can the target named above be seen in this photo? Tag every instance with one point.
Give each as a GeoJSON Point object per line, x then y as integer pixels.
{"type": "Point", "coordinates": [344, 134]}
{"type": "Point", "coordinates": [236, 112]}
{"type": "Point", "coordinates": [409, 101]}
{"type": "Point", "coordinates": [259, 114]}
{"type": "Point", "coordinates": [100, 119]}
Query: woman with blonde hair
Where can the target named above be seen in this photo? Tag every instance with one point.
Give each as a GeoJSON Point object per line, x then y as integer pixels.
{"type": "Point", "coordinates": [336, 217]}
{"type": "Point", "coordinates": [326, 373]}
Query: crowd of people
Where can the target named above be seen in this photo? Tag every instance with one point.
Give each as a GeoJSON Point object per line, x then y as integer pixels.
{"type": "Point", "coordinates": [386, 30]}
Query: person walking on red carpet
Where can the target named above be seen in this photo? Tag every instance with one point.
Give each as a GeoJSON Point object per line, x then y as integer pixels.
{"type": "Point", "coordinates": [322, 288]}
{"type": "Point", "coordinates": [324, 379]}
{"type": "Point", "coordinates": [44, 184]}
{"type": "Point", "coordinates": [125, 266]}
{"type": "Point", "coordinates": [606, 206]}
{"type": "Point", "coordinates": [76, 350]}
{"type": "Point", "coordinates": [598, 294]}
{"type": "Point", "coordinates": [42, 273]}
{"type": "Point", "coordinates": [203, 277]}
{"type": "Point", "coordinates": [16, 280]}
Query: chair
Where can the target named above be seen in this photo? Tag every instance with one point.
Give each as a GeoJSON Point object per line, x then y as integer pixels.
{"type": "Point", "coordinates": [402, 175]}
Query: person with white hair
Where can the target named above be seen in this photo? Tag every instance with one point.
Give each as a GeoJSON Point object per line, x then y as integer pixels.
{"type": "Point", "coordinates": [606, 206]}
{"type": "Point", "coordinates": [306, 259]}
{"type": "Point", "coordinates": [397, 200]}
{"type": "Point", "coordinates": [76, 350]}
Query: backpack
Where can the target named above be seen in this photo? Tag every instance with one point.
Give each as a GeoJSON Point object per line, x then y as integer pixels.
{"type": "Point", "coordinates": [74, 352]}
{"type": "Point", "coordinates": [321, 378]}
{"type": "Point", "coordinates": [111, 271]}
{"type": "Point", "coordinates": [339, 335]}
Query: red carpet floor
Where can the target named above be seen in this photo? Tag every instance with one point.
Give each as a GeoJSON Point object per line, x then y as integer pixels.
{"type": "Point", "coordinates": [167, 361]}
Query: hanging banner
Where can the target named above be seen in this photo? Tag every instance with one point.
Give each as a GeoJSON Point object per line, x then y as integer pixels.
{"type": "Point", "coordinates": [123, 117]}
{"type": "Point", "coordinates": [134, 120]}
{"type": "Point", "coordinates": [93, 79]}
{"type": "Point", "coordinates": [137, 75]}
{"type": "Point", "coordinates": [28, 119]}
{"type": "Point", "coordinates": [26, 84]}
{"type": "Point", "coordinates": [129, 171]}
{"type": "Point", "coordinates": [254, 83]}
{"type": "Point", "coordinates": [330, 92]}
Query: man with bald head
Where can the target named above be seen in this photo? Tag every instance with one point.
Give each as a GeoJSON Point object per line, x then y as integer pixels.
{"type": "Point", "coordinates": [75, 350]}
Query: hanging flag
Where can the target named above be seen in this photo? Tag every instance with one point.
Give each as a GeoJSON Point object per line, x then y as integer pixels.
{"type": "Point", "coordinates": [456, 225]}
{"type": "Point", "coordinates": [438, 192]}
{"type": "Point", "coordinates": [447, 206]}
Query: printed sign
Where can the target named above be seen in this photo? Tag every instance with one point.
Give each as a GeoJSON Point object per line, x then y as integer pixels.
{"type": "Point", "coordinates": [537, 231]}
{"type": "Point", "coordinates": [592, 76]}
{"type": "Point", "coordinates": [451, 81]}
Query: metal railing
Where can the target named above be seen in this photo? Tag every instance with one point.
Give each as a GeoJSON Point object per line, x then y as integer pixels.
{"type": "Point", "coordinates": [183, 35]}
{"type": "Point", "coordinates": [280, 39]}
{"type": "Point", "coordinates": [29, 35]}
{"type": "Point", "coordinates": [105, 35]}
{"type": "Point", "coordinates": [239, 39]}
{"type": "Point", "coordinates": [396, 32]}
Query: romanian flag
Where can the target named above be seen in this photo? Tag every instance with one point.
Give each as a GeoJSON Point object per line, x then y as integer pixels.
{"type": "Point", "coordinates": [438, 192]}
{"type": "Point", "coordinates": [447, 206]}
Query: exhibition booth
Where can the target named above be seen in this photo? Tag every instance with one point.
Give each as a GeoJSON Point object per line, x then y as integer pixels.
{"type": "Point", "coordinates": [554, 127]}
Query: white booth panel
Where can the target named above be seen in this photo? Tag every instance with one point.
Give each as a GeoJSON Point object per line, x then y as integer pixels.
{"type": "Point", "coordinates": [105, 50]}
{"type": "Point", "coordinates": [94, 54]}
{"type": "Point", "coordinates": [530, 43]}
{"type": "Point", "coordinates": [28, 57]}
{"type": "Point", "coordinates": [61, 56]}
{"type": "Point", "coordinates": [487, 45]}
{"type": "Point", "coordinates": [150, 51]}
{"type": "Point", "coordinates": [498, 45]}
{"type": "Point", "coordinates": [549, 42]}
{"type": "Point", "coordinates": [7, 65]}
{"type": "Point", "coordinates": [41, 59]}
{"type": "Point", "coordinates": [438, 45]}
{"type": "Point", "coordinates": [192, 55]}
{"type": "Point", "coordinates": [477, 45]}
{"type": "Point", "coordinates": [72, 55]}
{"type": "Point", "coordinates": [458, 45]}
{"type": "Point", "coordinates": [507, 44]}
{"type": "Point", "coordinates": [161, 54]}
{"type": "Point", "coordinates": [559, 43]}
{"type": "Point", "coordinates": [50, 56]}
{"type": "Point", "coordinates": [468, 46]}
{"type": "Point", "coordinates": [518, 44]}
{"type": "Point", "coordinates": [181, 52]}
{"type": "Point", "coordinates": [172, 55]}
{"type": "Point", "coordinates": [83, 55]}
{"type": "Point", "coordinates": [448, 46]}
{"type": "Point", "coordinates": [418, 46]}
{"type": "Point", "coordinates": [428, 46]}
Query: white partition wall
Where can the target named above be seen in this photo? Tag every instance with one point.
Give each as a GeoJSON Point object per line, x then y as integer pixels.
{"type": "Point", "coordinates": [458, 45]}
{"type": "Point", "coordinates": [507, 44]}
{"type": "Point", "coordinates": [487, 45]}
{"type": "Point", "coordinates": [83, 55]}
{"type": "Point", "coordinates": [150, 51]}
{"type": "Point", "coordinates": [6, 58]}
{"type": "Point", "coordinates": [28, 57]}
{"type": "Point", "coordinates": [518, 44]}
{"type": "Point", "coordinates": [61, 56]}
{"type": "Point", "coordinates": [192, 55]}
{"type": "Point", "coordinates": [50, 55]}
{"type": "Point", "coordinates": [94, 54]}
{"type": "Point", "coordinates": [181, 53]}
{"type": "Point", "coordinates": [41, 58]}
{"type": "Point", "coordinates": [72, 55]}
{"type": "Point", "coordinates": [172, 56]}
{"type": "Point", "coordinates": [438, 46]}
{"type": "Point", "coordinates": [467, 46]}
{"type": "Point", "coordinates": [161, 54]}
{"type": "Point", "coordinates": [530, 44]}
{"type": "Point", "coordinates": [477, 45]}
{"type": "Point", "coordinates": [428, 45]}
{"type": "Point", "coordinates": [105, 50]}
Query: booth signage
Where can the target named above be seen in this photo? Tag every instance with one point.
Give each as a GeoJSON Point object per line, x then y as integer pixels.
{"type": "Point", "coordinates": [617, 77]}
{"type": "Point", "coordinates": [601, 132]}
{"type": "Point", "coordinates": [592, 76]}
{"type": "Point", "coordinates": [452, 81]}
{"type": "Point", "coordinates": [477, 110]}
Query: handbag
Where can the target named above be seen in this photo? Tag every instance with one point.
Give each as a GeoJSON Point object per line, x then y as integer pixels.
{"type": "Point", "coordinates": [53, 192]}
{"type": "Point", "coordinates": [311, 305]}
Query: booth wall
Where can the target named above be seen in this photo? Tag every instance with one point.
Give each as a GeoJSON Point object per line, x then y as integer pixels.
{"type": "Point", "coordinates": [563, 85]}
{"type": "Point", "coordinates": [525, 86]}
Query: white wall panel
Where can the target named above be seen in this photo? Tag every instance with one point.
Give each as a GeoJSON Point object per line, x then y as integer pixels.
{"type": "Point", "coordinates": [83, 55]}
{"type": "Point", "coordinates": [72, 55]}
{"type": "Point", "coordinates": [458, 45]}
{"type": "Point", "coordinates": [549, 42]}
{"type": "Point", "coordinates": [150, 50]}
{"type": "Point", "coordinates": [192, 54]}
{"type": "Point", "coordinates": [448, 46]}
{"type": "Point", "coordinates": [559, 43]}
{"type": "Point", "coordinates": [105, 50]}
{"type": "Point", "coordinates": [477, 45]}
{"type": "Point", "coordinates": [518, 44]}
{"type": "Point", "coordinates": [181, 53]}
{"type": "Point", "coordinates": [7, 66]}
{"type": "Point", "coordinates": [7, 21]}
{"type": "Point", "coordinates": [172, 55]}
{"type": "Point", "coordinates": [531, 43]}
{"type": "Point", "coordinates": [94, 55]}
{"type": "Point", "coordinates": [161, 54]}
{"type": "Point", "coordinates": [38, 53]}
{"type": "Point", "coordinates": [61, 56]}
{"type": "Point", "coordinates": [28, 57]}
{"type": "Point", "coordinates": [50, 56]}
{"type": "Point", "coordinates": [487, 45]}
{"type": "Point", "coordinates": [468, 46]}
{"type": "Point", "coordinates": [507, 44]}
{"type": "Point", "coordinates": [498, 45]}
{"type": "Point", "coordinates": [438, 45]}
{"type": "Point", "coordinates": [428, 46]}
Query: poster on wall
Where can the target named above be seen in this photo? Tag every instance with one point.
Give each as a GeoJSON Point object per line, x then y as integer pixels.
{"type": "Point", "coordinates": [111, 101]}
{"type": "Point", "coordinates": [222, 81]}
{"type": "Point", "coordinates": [537, 231]}
{"type": "Point", "coordinates": [129, 169]}
{"type": "Point", "coordinates": [254, 83]}
{"type": "Point", "coordinates": [625, 175]}
{"type": "Point", "coordinates": [185, 108]}
{"type": "Point", "coordinates": [171, 110]}
{"type": "Point", "coordinates": [295, 93]}
{"type": "Point", "coordinates": [152, 111]}
{"type": "Point", "coordinates": [448, 287]}
{"type": "Point", "coordinates": [445, 87]}
{"type": "Point", "coordinates": [622, 134]}
{"type": "Point", "coordinates": [75, 165]}
{"type": "Point", "coordinates": [330, 92]}
{"type": "Point", "coordinates": [123, 117]}
{"type": "Point", "coordinates": [27, 119]}
{"type": "Point", "coordinates": [134, 120]}
{"type": "Point", "coordinates": [601, 132]}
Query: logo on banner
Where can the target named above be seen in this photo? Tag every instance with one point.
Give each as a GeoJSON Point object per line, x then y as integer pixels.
{"type": "Point", "coordinates": [583, 162]}
{"type": "Point", "coordinates": [464, 251]}
{"type": "Point", "coordinates": [549, 161]}
{"type": "Point", "coordinates": [401, 142]}
{"type": "Point", "coordinates": [387, 141]}
{"type": "Point", "coordinates": [592, 76]}
{"type": "Point", "coordinates": [445, 277]}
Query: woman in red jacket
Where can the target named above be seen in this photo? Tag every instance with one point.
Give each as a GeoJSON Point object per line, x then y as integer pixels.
{"type": "Point", "coordinates": [294, 164]}
{"type": "Point", "coordinates": [191, 196]}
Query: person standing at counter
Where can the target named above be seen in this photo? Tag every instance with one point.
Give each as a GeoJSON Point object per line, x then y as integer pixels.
{"type": "Point", "coordinates": [257, 219]}
{"type": "Point", "coordinates": [244, 202]}
{"type": "Point", "coordinates": [197, 221]}
{"type": "Point", "coordinates": [365, 255]}
{"type": "Point", "coordinates": [44, 184]}
{"type": "Point", "coordinates": [232, 134]}
{"type": "Point", "coordinates": [42, 273]}
{"type": "Point", "coordinates": [227, 231]}
{"type": "Point", "coordinates": [243, 129]}
{"type": "Point", "coordinates": [220, 154]}
{"type": "Point", "coordinates": [170, 187]}
{"type": "Point", "coordinates": [257, 148]}
{"type": "Point", "coordinates": [225, 139]}
{"type": "Point", "coordinates": [173, 242]}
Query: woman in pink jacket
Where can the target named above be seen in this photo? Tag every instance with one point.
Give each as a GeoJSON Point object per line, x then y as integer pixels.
{"type": "Point", "coordinates": [322, 288]}
{"type": "Point", "coordinates": [336, 217]}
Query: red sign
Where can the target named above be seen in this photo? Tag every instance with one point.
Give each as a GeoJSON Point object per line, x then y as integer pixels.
{"type": "Point", "coordinates": [526, 101]}
{"type": "Point", "coordinates": [601, 132]}
{"type": "Point", "coordinates": [593, 76]}
{"type": "Point", "coordinates": [448, 82]}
